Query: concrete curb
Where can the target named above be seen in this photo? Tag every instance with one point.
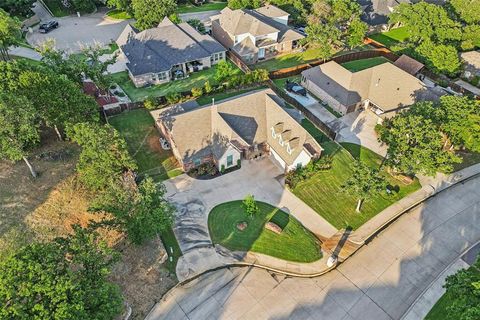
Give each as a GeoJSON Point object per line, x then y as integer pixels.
{"type": "Point", "coordinates": [436, 278]}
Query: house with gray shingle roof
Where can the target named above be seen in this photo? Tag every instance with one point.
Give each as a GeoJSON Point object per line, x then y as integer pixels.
{"type": "Point", "coordinates": [256, 34]}
{"type": "Point", "coordinates": [168, 52]}
{"type": "Point", "coordinates": [244, 127]}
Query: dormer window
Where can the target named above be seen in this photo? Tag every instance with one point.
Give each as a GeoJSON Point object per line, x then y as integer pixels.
{"type": "Point", "coordinates": [289, 150]}
{"type": "Point", "coordinates": [274, 136]}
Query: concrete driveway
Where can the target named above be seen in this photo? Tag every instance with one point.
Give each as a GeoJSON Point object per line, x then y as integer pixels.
{"type": "Point", "coordinates": [75, 32]}
{"type": "Point", "coordinates": [359, 127]}
{"type": "Point", "coordinates": [379, 282]}
{"type": "Point", "coordinates": [195, 198]}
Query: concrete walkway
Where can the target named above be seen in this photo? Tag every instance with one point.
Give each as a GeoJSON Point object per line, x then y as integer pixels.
{"type": "Point", "coordinates": [380, 281]}
{"type": "Point", "coordinates": [24, 53]}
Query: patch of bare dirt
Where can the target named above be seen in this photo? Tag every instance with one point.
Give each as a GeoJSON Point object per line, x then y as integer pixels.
{"type": "Point", "coordinates": [154, 143]}
{"type": "Point", "coordinates": [141, 275]}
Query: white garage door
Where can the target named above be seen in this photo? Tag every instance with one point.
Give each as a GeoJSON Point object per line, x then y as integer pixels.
{"type": "Point", "coordinates": [276, 159]}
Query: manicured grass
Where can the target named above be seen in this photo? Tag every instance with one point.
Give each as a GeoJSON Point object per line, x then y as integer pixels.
{"type": "Point", "coordinates": [315, 133]}
{"type": "Point", "coordinates": [295, 243]}
{"type": "Point", "coordinates": [189, 8]}
{"type": "Point", "coordinates": [391, 37]}
{"type": "Point", "coordinates": [170, 241]}
{"type": "Point", "coordinates": [119, 14]}
{"type": "Point", "coordinates": [363, 64]}
{"type": "Point", "coordinates": [289, 60]}
{"type": "Point", "coordinates": [138, 130]}
{"type": "Point", "coordinates": [439, 310]}
{"type": "Point", "coordinates": [323, 191]}
{"type": "Point", "coordinates": [196, 79]}
{"type": "Point", "coordinates": [207, 99]}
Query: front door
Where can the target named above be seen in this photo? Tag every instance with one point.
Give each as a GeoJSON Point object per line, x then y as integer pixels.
{"type": "Point", "coordinates": [261, 53]}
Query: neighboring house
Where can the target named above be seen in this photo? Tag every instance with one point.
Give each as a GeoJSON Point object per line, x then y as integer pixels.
{"type": "Point", "coordinates": [384, 88]}
{"type": "Point", "coordinates": [168, 52]}
{"type": "Point", "coordinates": [409, 65]}
{"type": "Point", "coordinates": [256, 34]}
{"type": "Point", "coordinates": [471, 64]}
{"type": "Point", "coordinates": [245, 127]}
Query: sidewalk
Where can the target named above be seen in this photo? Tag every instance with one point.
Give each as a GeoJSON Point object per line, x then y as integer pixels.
{"type": "Point", "coordinates": [24, 53]}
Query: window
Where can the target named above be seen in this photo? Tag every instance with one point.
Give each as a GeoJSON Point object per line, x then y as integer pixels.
{"type": "Point", "coordinates": [299, 165]}
{"type": "Point", "coordinates": [197, 162]}
{"type": "Point", "coordinates": [216, 57]}
{"type": "Point", "coordinates": [289, 150]}
{"type": "Point", "coordinates": [229, 160]}
{"type": "Point", "coordinates": [162, 76]}
{"type": "Point", "coordinates": [274, 136]}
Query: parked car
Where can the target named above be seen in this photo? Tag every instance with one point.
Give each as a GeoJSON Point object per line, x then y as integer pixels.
{"type": "Point", "coordinates": [48, 26]}
{"type": "Point", "coordinates": [301, 30]}
{"type": "Point", "coordinates": [295, 88]}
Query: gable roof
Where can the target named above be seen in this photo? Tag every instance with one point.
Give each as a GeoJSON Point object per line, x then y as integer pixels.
{"type": "Point", "coordinates": [471, 59]}
{"type": "Point", "coordinates": [159, 49]}
{"type": "Point", "coordinates": [385, 85]}
{"type": "Point", "coordinates": [256, 22]}
{"type": "Point", "coordinates": [376, 12]}
{"type": "Point", "coordinates": [409, 64]}
{"type": "Point", "coordinates": [243, 120]}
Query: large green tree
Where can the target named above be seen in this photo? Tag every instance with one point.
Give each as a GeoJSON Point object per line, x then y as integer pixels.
{"type": "Point", "coordinates": [463, 288]}
{"type": "Point", "coordinates": [18, 8]}
{"type": "Point", "coordinates": [364, 182]}
{"type": "Point", "coordinates": [104, 156]}
{"type": "Point", "coordinates": [63, 279]}
{"type": "Point", "coordinates": [439, 57]}
{"type": "Point", "coordinates": [415, 144]}
{"type": "Point", "coordinates": [141, 212]}
{"type": "Point", "coordinates": [124, 5]}
{"type": "Point", "coordinates": [9, 33]}
{"type": "Point", "coordinates": [467, 10]}
{"type": "Point", "coordinates": [19, 128]}
{"type": "Point", "coordinates": [149, 13]}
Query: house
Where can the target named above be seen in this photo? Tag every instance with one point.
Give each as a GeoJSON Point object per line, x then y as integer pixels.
{"type": "Point", "coordinates": [245, 127]}
{"type": "Point", "coordinates": [384, 89]}
{"type": "Point", "coordinates": [256, 34]}
{"type": "Point", "coordinates": [409, 65]}
{"type": "Point", "coordinates": [168, 52]}
{"type": "Point", "coordinates": [471, 64]}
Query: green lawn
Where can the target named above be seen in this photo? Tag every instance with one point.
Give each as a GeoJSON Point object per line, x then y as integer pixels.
{"type": "Point", "coordinates": [196, 79]}
{"type": "Point", "coordinates": [317, 135]}
{"type": "Point", "coordinates": [189, 8]}
{"type": "Point", "coordinates": [295, 243]}
{"type": "Point", "coordinates": [170, 241]}
{"type": "Point", "coordinates": [289, 60]}
{"type": "Point", "coordinates": [363, 64]}
{"type": "Point", "coordinates": [137, 128]}
{"type": "Point", "coordinates": [119, 14]}
{"type": "Point", "coordinates": [391, 37]}
{"type": "Point", "coordinates": [323, 191]}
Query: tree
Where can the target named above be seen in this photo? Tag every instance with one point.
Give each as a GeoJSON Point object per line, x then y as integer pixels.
{"type": "Point", "coordinates": [244, 4]}
{"type": "Point", "coordinates": [9, 33]}
{"type": "Point", "coordinates": [470, 37]}
{"type": "Point", "coordinates": [415, 144]}
{"type": "Point", "coordinates": [467, 10]}
{"type": "Point", "coordinates": [224, 70]}
{"type": "Point", "coordinates": [463, 288]}
{"type": "Point", "coordinates": [141, 212]}
{"type": "Point", "coordinates": [123, 5]}
{"type": "Point", "coordinates": [149, 13]}
{"type": "Point", "coordinates": [250, 205]}
{"type": "Point", "coordinates": [197, 24]}
{"type": "Point", "coordinates": [364, 182]}
{"type": "Point", "coordinates": [322, 37]}
{"type": "Point", "coordinates": [443, 58]}
{"type": "Point", "coordinates": [18, 8]}
{"type": "Point", "coordinates": [104, 156]}
{"type": "Point", "coordinates": [86, 6]}
{"type": "Point", "coordinates": [97, 69]}
{"type": "Point", "coordinates": [19, 128]}
{"type": "Point", "coordinates": [356, 33]}
{"type": "Point", "coordinates": [63, 279]}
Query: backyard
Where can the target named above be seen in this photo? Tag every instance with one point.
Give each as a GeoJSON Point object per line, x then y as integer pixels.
{"type": "Point", "coordinates": [138, 130]}
{"type": "Point", "coordinates": [289, 60]}
{"type": "Point", "coordinates": [359, 65]}
{"type": "Point", "coordinates": [196, 79]}
{"type": "Point", "coordinates": [294, 243]}
{"type": "Point", "coordinates": [391, 37]}
{"type": "Point", "coordinates": [323, 192]}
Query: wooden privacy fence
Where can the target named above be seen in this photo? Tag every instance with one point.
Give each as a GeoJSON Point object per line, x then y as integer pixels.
{"type": "Point", "coordinates": [235, 58]}
{"type": "Point", "coordinates": [310, 116]}
{"type": "Point", "coordinates": [293, 71]}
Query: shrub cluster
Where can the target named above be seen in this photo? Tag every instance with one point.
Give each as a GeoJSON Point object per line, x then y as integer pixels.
{"type": "Point", "coordinates": [294, 177]}
{"type": "Point", "coordinates": [205, 169]}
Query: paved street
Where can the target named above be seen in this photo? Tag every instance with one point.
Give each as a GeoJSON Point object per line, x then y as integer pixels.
{"type": "Point", "coordinates": [75, 32]}
{"type": "Point", "coordinates": [379, 282]}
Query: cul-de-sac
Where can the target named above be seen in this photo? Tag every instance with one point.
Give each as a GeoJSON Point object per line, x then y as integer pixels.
{"type": "Point", "coordinates": [240, 159]}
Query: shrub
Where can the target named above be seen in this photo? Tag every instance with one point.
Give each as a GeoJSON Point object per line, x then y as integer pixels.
{"type": "Point", "coordinates": [292, 178]}
{"type": "Point", "coordinates": [222, 169]}
{"type": "Point", "coordinates": [197, 92]}
{"type": "Point", "coordinates": [207, 87]}
{"type": "Point", "coordinates": [239, 163]}
{"type": "Point", "coordinates": [224, 70]}
{"type": "Point", "coordinates": [250, 205]}
{"type": "Point", "coordinates": [173, 97]}
{"type": "Point", "coordinates": [150, 104]}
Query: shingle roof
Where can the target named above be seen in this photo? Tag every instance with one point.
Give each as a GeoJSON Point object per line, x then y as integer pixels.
{"type": "Point", "coordinates": [272, 11]}
{"type": "Point", "coordinates": [159, 49]}
{"type": "Point", "coordinates": [385, 85]}
{"type": "Point", "coordinates": [472, 59]}
{"type": "Point", "coordinates": [243, 120]}
{"type": "Point", "coordinates": [408, 64]}
{"type": "Point", "coordinates": [376, 12]}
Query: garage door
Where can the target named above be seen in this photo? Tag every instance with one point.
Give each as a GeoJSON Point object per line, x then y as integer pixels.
{"type": "Point", "coordinates": [276, 159]}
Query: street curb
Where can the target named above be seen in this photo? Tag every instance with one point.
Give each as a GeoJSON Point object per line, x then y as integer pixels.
{"type": "Point", "coordinates": [436, 278]}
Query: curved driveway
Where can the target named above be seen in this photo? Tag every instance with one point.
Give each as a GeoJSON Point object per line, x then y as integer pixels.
{"type": "Point", "coordinates": [379, 282]}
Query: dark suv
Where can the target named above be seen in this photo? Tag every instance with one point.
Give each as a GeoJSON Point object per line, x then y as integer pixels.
{"type": "Point", "coordinates": [48, 26]}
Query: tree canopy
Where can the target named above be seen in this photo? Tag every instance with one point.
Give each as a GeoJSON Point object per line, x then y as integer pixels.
{"type": "Point", "coordinates": [149, 13]}
{"type": "Point", "coordinates": [63, 279]}
{"type": "Point", "coordinates": [9, 33]}
{"type": "Point", "coordinates": [18, 8]}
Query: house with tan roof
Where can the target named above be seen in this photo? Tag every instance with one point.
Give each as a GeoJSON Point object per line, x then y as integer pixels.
{"type": "Point", "coordinates": [245, 127]}
{"type": "Point", "coordinates": [256, 34]}
{"type": "Point", "coordinates": [384, 88]}
{"type": "Point", "coordinates": [167, 52]}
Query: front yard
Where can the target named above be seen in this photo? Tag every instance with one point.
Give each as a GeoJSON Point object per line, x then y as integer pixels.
{"type": "Point", "coordinates": [294, 243]}
{"type": "Point", "coordinates": [359, 65]}
{"type": "Point", "coordinates": [196, 79]}
{"type": "Point", "coordinates": [138, 130]}
{"type": "Point", "coordinates": [323, 191]}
